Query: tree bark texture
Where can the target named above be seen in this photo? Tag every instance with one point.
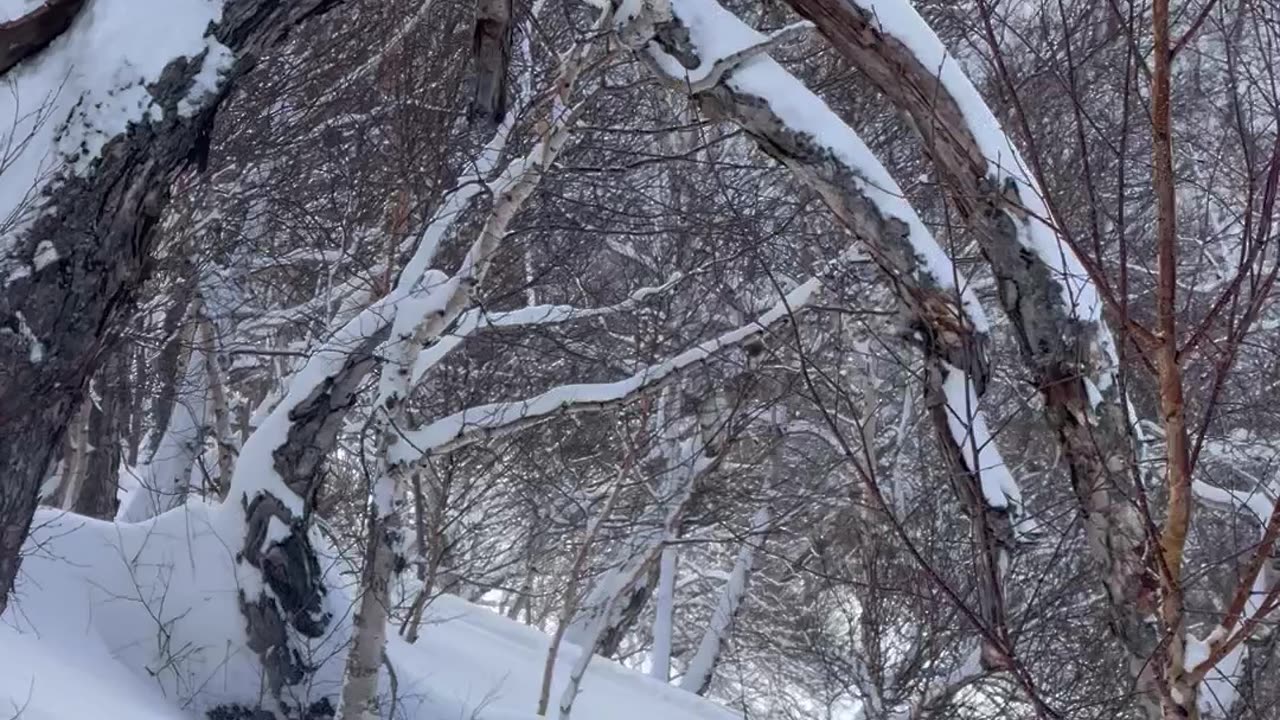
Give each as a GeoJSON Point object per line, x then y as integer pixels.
{"type": "Point", "coordinates": [1060, 349]}
{"type": "Point", "coordinates": [936, 319]}
{"type": "Point", "coordinates": [102, 226]}
{"type": "Point", "coordinates": [97, 496]}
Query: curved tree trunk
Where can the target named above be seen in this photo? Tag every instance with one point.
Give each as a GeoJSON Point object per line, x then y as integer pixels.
{"type": "Point", "coordinates": [102, 227]}
{"type": "Point", "coordinates": [797, 129]}
{"type": "Point", "coordinates": [1066, 346]}
{"type": "Point", "coordinates": [271, 496]}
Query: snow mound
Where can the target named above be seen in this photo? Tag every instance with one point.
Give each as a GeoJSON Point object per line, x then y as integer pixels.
{"type": "Point", "coordinates": [141, 621]}
{"type": "Point", "coordinates": [41, 679]}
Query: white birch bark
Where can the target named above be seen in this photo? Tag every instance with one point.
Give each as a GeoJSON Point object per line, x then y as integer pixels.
{"type": "Point", "coordinates": [76, 453]}
{"type": "Point", "coordinates": [430, 304]}
{"type": "Point", "coordinates": [664, 612]}
{"type": "Point", "coordinates": [701, 670]}
{"type": "Point", "coordinates": [698, 48]}
{"type": "Point", "coordinates": [609, 590]}
{"type": "Point", "coordinates": [1046, 288]}
{"type": "Point", "coordinates": [162, 482]}
{"type": "Point", "coordinates": [219, 408]}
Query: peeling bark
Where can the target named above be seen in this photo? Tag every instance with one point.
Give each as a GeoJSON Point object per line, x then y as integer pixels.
{"type": "Point", "coordinates": [1061, 350]}
{"type": "Point", "coordinates": [228, 450]}
{"type": "Point", "coordinates": [102, 226]}
{"type": "Point", "coordinates": [293, 601]}
{"type": "Point", "coordinates": [935, 317]}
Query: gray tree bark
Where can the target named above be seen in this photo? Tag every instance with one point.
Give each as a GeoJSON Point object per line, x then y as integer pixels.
{"type": "Point", "coordinates": [103, 227]}
{"type": "Point", "coordinates": [97, 489]}
{"type": "Point", "coordinates": [936, 320]}
{"type": "Point", "coordinates": [1060, 350]}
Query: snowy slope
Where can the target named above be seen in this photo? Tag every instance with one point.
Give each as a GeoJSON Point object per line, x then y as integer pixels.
{"type": "Point", "coordinates": [141, 621]}
{"type": "Point", "coordinates": [469, 656]}
{"type": "Point", "coordinates": [43, 679]}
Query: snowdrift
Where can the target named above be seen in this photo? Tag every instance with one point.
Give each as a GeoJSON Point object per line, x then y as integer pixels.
{"type": "Point", "coordinates": [141, 621]}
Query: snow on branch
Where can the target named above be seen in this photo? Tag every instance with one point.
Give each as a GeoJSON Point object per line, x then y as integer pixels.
{"type": "Point", "coordinates": [684, 39]}
{"type": "Point", "coordinates": [430, 304]}
{"type": "Point", "coordinates": [356, 291]}
{"type": "Point", "coordinates": [701, 669]}
{"type": "Point", "coordinates": [361, 334]}
{"type": "Point", "coordinates": [977, 161]}
{"type": "Point", "coordinates": [717, 36]}
{"type": "Point", "coordinates": [899, 20]}
{"type": "Point", "coordinates": [499, 419]}
{"type": "Point", "coordinates": [684, 42]}
{"type": "Point", "coordinates": [64, 104]}
{"type": "Point", "coordinates": [534, 315]}
{"type": "Point", "coordinates": [354, 343]}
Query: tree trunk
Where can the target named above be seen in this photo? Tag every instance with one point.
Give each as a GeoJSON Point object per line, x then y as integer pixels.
{"type": "Point", "coordinates": [97, 496]}
{"type": "Point", "coordinates": [782, 116]}
{"type": "Point", "coordinates": [290, 606]}
{"type": "Point", "coordinates": [31, 33]}
{"type": "Point", "coordinates": [171, 363]}
{"type": "Point", "coordinates": [360, 690]}
{"type": "Point", "coordinates": [164, 478]}
{"type": "Point", "coordinates": [702, 666]}
{"type": "Point", "coordinates": [664, 613]}
{"type": "Point", "coordinates": [102, 226]}
{"type": "Point", "coordinates": [1067, 349]}
{"type": "Point", "coordinates": [421, 318]}
{"type": "Point", "coordinates": [75, 455]}
{"type": "Point", "coordinates": [219, 407]}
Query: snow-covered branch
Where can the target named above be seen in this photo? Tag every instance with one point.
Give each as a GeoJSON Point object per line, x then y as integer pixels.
{"type": "Point", "coordinates": [484, 422]}
{"type": "Point", "coordinates": [1051, 296]}
{"type": "Point", "coordinates": [428, 304]}
{"type": "Point", "coordinates": [683, 40]}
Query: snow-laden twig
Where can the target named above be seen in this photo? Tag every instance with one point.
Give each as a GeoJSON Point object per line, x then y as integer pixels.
{"type": "Point", "coordinates": [621, 579]}
{"type": "Point", "coordinates": [678, 39]}
{"type": "Point", "coordinates": [1220, 658]}
{"type": "Point", "coordinates": [428, 304]}
{"type": "Point", "coordinates": [476, 424]}
{"type": "Point", "coordinates": [800, 130]}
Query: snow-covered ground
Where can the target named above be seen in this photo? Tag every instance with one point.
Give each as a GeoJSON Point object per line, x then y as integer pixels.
{"type": "Point", "coordinates": [141, 621]}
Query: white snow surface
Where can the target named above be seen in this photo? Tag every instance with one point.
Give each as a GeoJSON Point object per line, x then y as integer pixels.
{"type": "Point", "coordinates": [61, 107]}
{"type": "Point", "coordinates": [141, 621]}
{"type": "Point", "coordinates": [47, 679]}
